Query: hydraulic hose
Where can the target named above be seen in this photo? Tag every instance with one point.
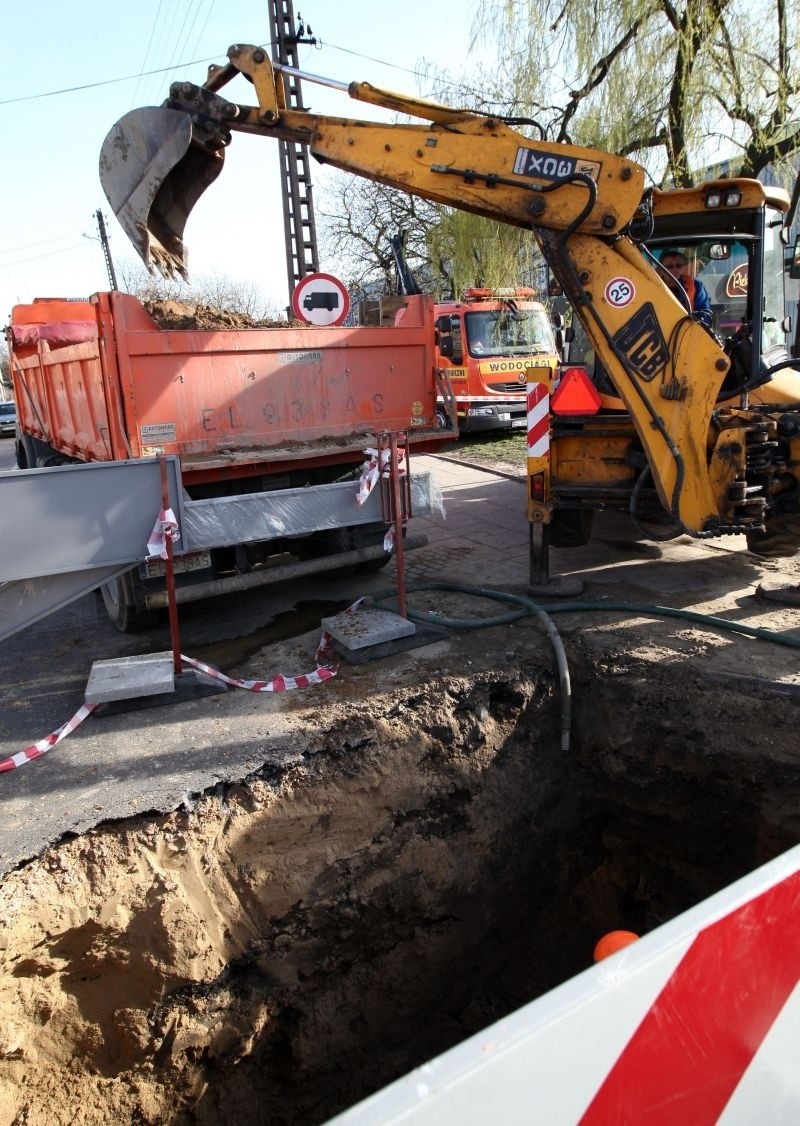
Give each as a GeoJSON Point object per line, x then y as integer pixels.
{"type": "Point", "coordinates": [527, 607]}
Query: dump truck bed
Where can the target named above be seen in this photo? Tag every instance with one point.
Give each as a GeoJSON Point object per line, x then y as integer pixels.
{"type": "Point", "coordinates": [100, 380]}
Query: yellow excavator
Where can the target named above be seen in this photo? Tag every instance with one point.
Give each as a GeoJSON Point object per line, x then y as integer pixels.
{"type": "Point", "coordinates": [693, 428]}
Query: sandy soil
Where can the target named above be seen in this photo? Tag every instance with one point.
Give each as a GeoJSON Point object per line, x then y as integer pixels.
{"type": "Point", "coordinates": [174, 314]}
{"type": "Point", "coordinates": [291, 943]}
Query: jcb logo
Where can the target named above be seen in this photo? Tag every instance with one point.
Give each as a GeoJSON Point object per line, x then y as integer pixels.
{"type": "Point", "coordinates": [643, 343]}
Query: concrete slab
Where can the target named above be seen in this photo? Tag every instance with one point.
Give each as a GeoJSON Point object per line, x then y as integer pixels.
{"type": "Point", "coordinates": [125, 678]}
{"type": "Point", "coordinates": [190, 684]}
{"type": "Point", "coordinates": [356, 629]}
{"type": "Point", "coordinates": [425, 635]}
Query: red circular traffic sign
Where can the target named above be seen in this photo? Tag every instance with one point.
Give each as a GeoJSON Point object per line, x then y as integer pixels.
{"type": "Point", "coordinates": [321, 299]}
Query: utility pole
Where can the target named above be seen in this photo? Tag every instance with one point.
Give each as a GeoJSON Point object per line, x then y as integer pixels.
{"type": "Point", "coordinates": [300, 233]}
{"type": "Point", "coordinates": [101, 226]}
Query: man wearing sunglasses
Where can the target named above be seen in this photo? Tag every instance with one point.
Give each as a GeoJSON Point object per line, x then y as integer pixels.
{"type": "Point", "coordinates": [676, 266]}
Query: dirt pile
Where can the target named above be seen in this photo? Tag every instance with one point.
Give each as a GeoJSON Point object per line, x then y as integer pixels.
{"type": "Point", "coordinates": [173, 314]}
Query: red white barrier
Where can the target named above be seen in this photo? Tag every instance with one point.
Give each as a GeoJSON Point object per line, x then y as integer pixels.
{"type": "Point", "coordinates": [377, 465]}
{"type": "Point", "coordinates": [165, 526]}
{"type": "Point", "coordinates": [538, 399]}
{"type": "Point", "coordinates": [277, 684]}
{"type": "Point", "coordinates": [694, 1024]}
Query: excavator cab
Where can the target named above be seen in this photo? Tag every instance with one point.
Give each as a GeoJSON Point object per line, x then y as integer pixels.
{"type": "Point", "coordinates": [733, 237]}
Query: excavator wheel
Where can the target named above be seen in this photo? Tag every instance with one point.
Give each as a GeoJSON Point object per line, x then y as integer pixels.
{"type": "Point", "coordinates": [781, 539]}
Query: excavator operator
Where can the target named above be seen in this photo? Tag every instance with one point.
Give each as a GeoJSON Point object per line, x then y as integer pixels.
{"type": "Point", "coordinates": [676, 265]}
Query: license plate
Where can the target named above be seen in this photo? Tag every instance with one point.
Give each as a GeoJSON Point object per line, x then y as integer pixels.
{"type": "Point", "coordinates": [519, 423]}
{"type": "Point", "coordinates": [198, 561]}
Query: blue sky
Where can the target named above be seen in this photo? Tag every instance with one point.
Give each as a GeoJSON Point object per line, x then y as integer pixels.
{"type": "Point", "coordinates": [52, 132]}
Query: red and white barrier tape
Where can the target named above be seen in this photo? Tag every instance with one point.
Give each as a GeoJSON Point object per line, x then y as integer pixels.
{"type": "Point", "coordinates": [36, 750]}
{"type": "Point", "coordinates": [165, 525]}
{"type": "Point", "coordinates": [277, 684]}
{"type": "Point", "coordinates": [378, 465]}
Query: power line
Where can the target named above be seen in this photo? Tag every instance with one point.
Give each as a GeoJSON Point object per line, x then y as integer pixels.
{"type": "Point", "coordinates": [147, 51]}
{"type": "Point", "coordinates": [165, 38]}
{"type": "Point", "coordinates": [105, 82]}
{"type": "Point", "coordinates": [36, 257]}
{"type": "Point", "coordinates": [205, 25]}
{"type": "Point", "coordinates": [194, 62]}
{"type": "Point", "coordinates": [43, 242]}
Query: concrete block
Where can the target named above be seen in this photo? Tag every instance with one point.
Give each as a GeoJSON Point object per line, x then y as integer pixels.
{"type": "Point", "coordinates": [425, 635]}
{"type": "Point", "coordinates": [359, 628]}
{"type": "Point", "coordinates": [125, 678]}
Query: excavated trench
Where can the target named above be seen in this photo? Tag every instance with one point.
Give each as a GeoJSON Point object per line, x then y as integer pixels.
{"type": "Point", "coordinates": [296, 941]}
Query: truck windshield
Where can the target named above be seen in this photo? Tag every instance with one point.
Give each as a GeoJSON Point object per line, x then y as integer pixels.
{"type": "Point", "coordinates": [509, 332]}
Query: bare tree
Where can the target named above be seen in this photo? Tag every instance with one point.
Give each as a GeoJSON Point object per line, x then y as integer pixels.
{"type": "Point", "coordinates": [448, 249]}
{"type": "Point", "coordinates": [357, 219]}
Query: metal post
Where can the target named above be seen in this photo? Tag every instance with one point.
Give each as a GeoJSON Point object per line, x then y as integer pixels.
{"type": "Point", "coordinates": [101, 226]}
{"type": "Point", "coordinates": [300, 232]}
{"type": "Point", "coordinates": [172, 602]}
{"type": "Point", "coordinates": [539, 554]}
{"type": "Point", "coordinates": [398, 526]}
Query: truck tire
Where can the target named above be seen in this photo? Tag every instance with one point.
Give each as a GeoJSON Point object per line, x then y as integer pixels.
{"type": "Point", "coordinates": [121, 607]}
{"type": "Point", "coordinates": [443, 420]}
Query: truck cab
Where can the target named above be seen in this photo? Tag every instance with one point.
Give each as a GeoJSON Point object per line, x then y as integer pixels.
{"type": "Point", "coordinates": [484, 345]}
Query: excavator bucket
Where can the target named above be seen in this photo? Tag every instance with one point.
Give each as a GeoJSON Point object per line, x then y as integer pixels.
{"type": "Point", "coordinates": [153, 171]}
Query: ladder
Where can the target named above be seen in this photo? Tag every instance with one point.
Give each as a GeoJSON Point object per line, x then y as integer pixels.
{"type": "Point", "coordinates": [300, 234]}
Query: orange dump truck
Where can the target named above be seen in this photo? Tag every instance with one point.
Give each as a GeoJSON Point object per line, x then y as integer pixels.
{"type": "Point", "coordinates": [270, 426]}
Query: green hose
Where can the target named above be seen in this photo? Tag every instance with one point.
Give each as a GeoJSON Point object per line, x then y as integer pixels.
{"type": "Point", "coordinates": [527, 608]}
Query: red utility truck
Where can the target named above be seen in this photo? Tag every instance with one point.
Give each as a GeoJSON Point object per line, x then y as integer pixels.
{"type": "Point", "coordinates": [485, 343]}
{"type": "Point", "coordinates": [269, 424]}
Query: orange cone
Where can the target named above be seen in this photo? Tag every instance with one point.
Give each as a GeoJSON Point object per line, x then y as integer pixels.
{"type": "Point", "coordinates": [612, 942]}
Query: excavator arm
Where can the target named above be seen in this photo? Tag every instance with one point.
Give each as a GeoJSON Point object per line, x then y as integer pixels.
{"type": "Point", "coordinates": [584, 207]}
{"type": "Point", "coordinates": [156, 162]}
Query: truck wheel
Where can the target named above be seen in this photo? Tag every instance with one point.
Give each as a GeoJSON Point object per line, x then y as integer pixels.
{"type": "Point", "coordinates": [443, 419]}
{"type": "Point", "coordinates": [122, 610]}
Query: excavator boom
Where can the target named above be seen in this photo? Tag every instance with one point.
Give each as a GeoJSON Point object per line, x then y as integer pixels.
{"type": "Point", "coordinates": [156, 162]}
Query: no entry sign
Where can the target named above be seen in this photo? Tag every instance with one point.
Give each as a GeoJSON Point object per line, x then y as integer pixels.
{"type": "Point", "coordinates": [320, 299]}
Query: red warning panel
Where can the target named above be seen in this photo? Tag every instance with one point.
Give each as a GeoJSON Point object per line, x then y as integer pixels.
{"type": "Point", "coordinates": [575, 394]}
